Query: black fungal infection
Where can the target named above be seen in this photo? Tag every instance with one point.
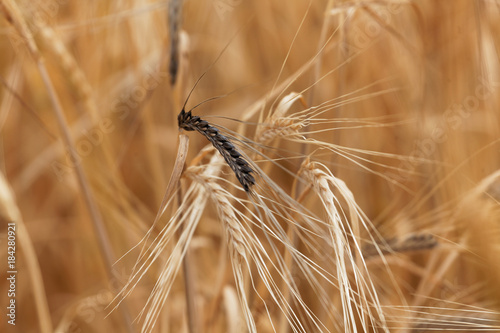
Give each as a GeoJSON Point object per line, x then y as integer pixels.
{"type": "Point", "coordinates": [231, 155]}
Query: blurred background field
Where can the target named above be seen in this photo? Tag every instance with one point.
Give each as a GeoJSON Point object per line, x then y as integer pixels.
{"type": "Point", "coordinates": [424, 78]}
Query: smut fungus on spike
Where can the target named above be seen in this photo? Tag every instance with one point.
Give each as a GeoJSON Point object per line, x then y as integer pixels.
{"type": "Point", "coordinates": [232, 156]}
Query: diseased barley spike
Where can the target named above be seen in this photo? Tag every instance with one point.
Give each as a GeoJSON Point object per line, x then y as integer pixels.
{"type": "Point", "coordinates": [232, 156]}
{"type": "Point", "coordinates": [413, 242]}
{"type": "Point", "coordinates": [174, 22]}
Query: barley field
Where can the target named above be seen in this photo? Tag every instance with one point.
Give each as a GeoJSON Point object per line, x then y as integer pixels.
{"type": "Point", "coordinates": [250, 166]}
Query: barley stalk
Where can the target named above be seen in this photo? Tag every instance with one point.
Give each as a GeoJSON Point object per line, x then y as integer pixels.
{"type": "Point", "coordinates": [15, 17]}
{"type": "Point", "coordinates": [9, 211]}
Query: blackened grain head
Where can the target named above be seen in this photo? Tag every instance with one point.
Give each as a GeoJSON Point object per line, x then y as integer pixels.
{"type": "Point", "coordinates": [184, 120]}
{"type": "Point", "coordinates": [232, 156]}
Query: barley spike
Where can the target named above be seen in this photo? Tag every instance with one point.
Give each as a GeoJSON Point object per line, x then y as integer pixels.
{"type": "Point", "coordinates": [232, 156]}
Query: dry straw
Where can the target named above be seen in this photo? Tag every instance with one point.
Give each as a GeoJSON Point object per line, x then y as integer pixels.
{"type": "Point", "coordinates": [350, 186]}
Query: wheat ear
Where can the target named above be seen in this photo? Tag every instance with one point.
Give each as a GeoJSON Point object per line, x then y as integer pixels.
{"type": "Point", "coordinates": [232, 156]}
{"type": "Point", "coordinates": [246, 248]}
{"type": "Point", "coordinates": [410, 243]}
{"type": "Point", "coordinates": [13, 15]}
{"type": "Point", "coordinates": [360, 296]}
{"type": "Point", "coordinates": [234, 235]}
{"type": "Point", "coordinates": [277, 125]}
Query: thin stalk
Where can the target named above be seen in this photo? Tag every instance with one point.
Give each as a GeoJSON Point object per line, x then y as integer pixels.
{"type": "Point", "coordinates": [189, 286]}
{"type": "Point", "coordinates": [14, 16]}
{"type": "Point", "coordinates": [10, 212]}
{"type": "Point", "coordinates": [189, 283]}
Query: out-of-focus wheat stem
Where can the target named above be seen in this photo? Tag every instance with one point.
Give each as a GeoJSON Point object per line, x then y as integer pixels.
{"type": "Point", "coordinates": [174, 24]}
{"type": "Point", "coordinates": [10, 212]}
{"type": "Point", "coordinates": [189, 287]}
{"type": "Point", "coordinates": [320, 47]}
{"type": "Point", "coordinates": [82, 179]}
{"type": "Point", "coordinates": [15, 17]}
{"type": "Point", "coordinates": [28, 108]}
{"type": "Point", "coordinates": [82, 87]}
